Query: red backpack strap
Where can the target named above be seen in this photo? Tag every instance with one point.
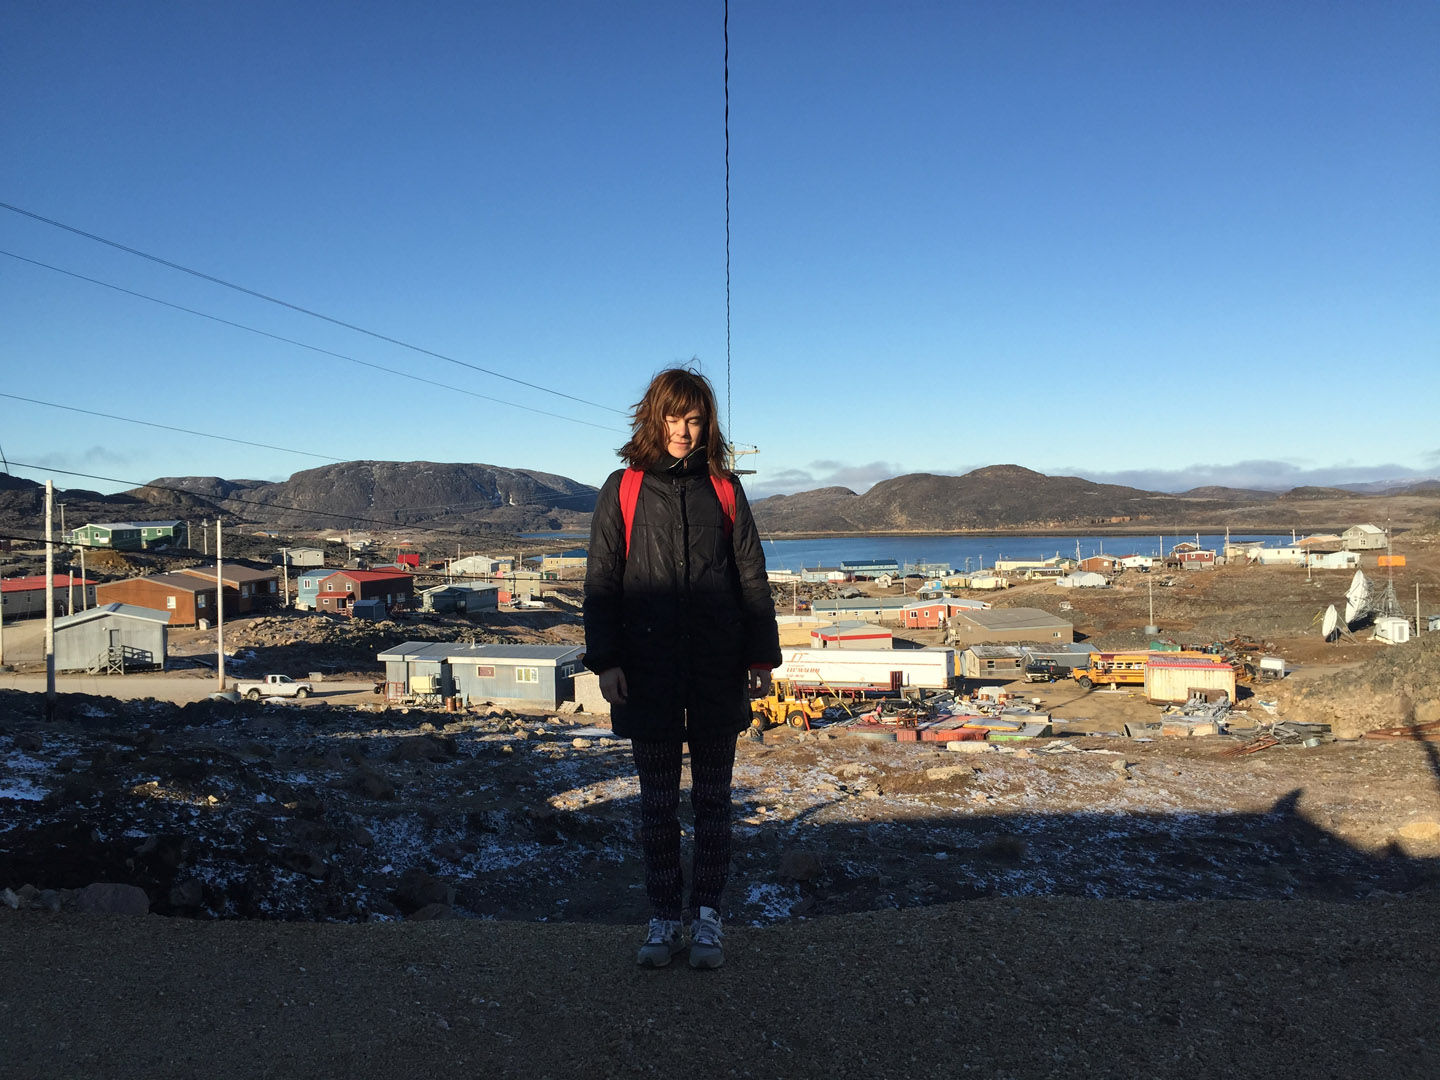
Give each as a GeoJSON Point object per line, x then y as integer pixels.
{"type": "Point", "coordinates": [725, 492]}
{"type": "Point", "coordinates": [629, 496]}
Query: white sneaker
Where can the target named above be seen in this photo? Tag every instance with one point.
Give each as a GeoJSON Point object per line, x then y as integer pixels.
{"type": "Point", "coordinates": [706, 940]}
{"type": "Point", "coordinates": [661, 943]}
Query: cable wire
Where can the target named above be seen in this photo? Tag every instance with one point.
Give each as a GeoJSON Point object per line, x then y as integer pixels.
{"type": "Point", "coordinates": [296, 307]}
{"type": "Point", "coordinates": [301, 344]}
{"type": "Point", "coordinates": [170, 427]}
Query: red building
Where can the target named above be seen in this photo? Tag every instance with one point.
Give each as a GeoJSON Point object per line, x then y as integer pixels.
{"type": "Point", "coordinates": [933, 614]}
{"type": "Point", "coordinates": [338, 592]}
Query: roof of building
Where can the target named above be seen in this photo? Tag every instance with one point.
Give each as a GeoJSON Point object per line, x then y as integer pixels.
{"type": "Point", "coordinates": [1366, 528]}
{"type": "Point", "coordinates": [573, 553]}
{"type": "Point", "coordinates": [996, 652]}
{"type": "Point", "coordinates": [104, 611]}
{"type": "Point", "coordinates": [1015, 618]}
{"type": "Point", "coordinates": [461, 586]}
{"type": "Point", "coordinates": [437, 651]}
{"type": "Point", "coordinates": [856, 564]}
{"type": "Point", "coordinates": [372, 575]}
{"type": "Point", "coordinates": [111, 525]}
{"type": "Point", "coordinates": [851, 629]}
{"type": "Point", "coordinates": [178, 580]}
{"type": "Point", "coordinates": [26, 584]}
{"type": "Point", "coordinates": [231, 572]}
{"type": "Point", "coordinates": [880, 603]}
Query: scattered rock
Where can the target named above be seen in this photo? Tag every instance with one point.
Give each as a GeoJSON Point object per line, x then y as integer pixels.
{"type": "Point", "coordinates": [581, 744]}
{"type": "Point", "coordinates": [9, 899]}
{"type": "Point", "coordinates": [187, 894]}
{"type": "Point", "coordinates": [419, 889]}
{"type": "Point", "coordinates": [1121, 766]}
{"type": "Point", "coordinates": [1422, 830]}
{"type": "Point", "coordinates": [29, 741]}
{"type": "Point", "coordinates": [303, 862]}
{"type": "Point", "coordinates": [107, 898]}
{"type": "Point", "coordinates": [431, 912]}
{"type": "Point", "coordinates": [967, 746]}
{"type": "Point", "coordinates": [801, 864]}
{"type": "Point", "coordinates": [373, 786]}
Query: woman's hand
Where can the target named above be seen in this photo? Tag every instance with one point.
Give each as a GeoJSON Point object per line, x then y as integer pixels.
{"type": "Point", "coordinates": [612, 686]}
{"type": "Point", "coordinates": [759, 683]}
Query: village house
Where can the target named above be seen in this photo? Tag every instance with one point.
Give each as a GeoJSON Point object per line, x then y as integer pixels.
{"type": "Point", "coordinates": [1100, 564]}
{"type": "Point", "coordinates": [935, 613]}
{"type": "Point", "coordinates": [469, 598]}
{"type": "Point", "coordinates": [999, 625]}
{"type": "Point", "coordinates": [338, 592]}
{"type": "Point", "coordinates": [566, 564]}
{"type": "Point", "coordinates": [851, 635]}
{"type": "Point", "coordinates": [307, 585]}
{"type": "Point", "coordinates": [874, 609]}
{"type": "Point", "coordinates": [111, 639]}
{"type": "Point", "coordinates": [1365, 537]}
{"type": "Point", "coordinates": [23, 597]}
{"type": "Point", "coordinates": [130, 535]}
{"type": "Point", "coordinates": [246, 589]}
{"type": "Point", "coordinates": [866, 569]}
{"type": "Point", "coordinates": [1190, 556]}
{"type": "Point", "coordinates": [1021, 566]}
{"type": "Point", "coordinates": [187, 599]}
{"type": "Point", "coordinates": [482, 565]}
{"type": "Point", "coordinates": [301, 556]}
{"type": "Point", "coordinates": [823, 575]}
{"type": "Point", "coordinates": [1136, 562]}
{"type": "Point", "coordinates": [542, 676]}
{"type": "Point", "coordinates": [1000, 662]}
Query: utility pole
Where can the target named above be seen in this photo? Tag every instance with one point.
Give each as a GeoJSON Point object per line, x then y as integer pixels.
{"type": "Point", "coordinates": [49, 600]}
{"type": "Point", "coordinates": [219, 610]}
{"type": "Point", "coordinates": [205, 533]}
{"type": "Point", "coordinates": [84, 599]}
{"type": "Point", "coordinates": [285, 569]}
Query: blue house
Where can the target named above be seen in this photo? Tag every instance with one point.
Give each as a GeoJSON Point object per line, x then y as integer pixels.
{"type": "Point", "coordinates": [307, 585]}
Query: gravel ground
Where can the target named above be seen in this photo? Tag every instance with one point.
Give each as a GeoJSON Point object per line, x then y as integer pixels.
{"type": "Point", "coordinates": [997, 988]}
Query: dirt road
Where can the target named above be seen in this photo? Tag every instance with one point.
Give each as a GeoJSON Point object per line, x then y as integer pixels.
{"type": "Point", "coordinates": [179, 687]}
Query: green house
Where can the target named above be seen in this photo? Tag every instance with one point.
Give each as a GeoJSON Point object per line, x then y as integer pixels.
{"type": "Point", "coordinates": [130, 535]}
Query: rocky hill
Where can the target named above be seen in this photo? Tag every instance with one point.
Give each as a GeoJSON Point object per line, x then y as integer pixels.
{"type": "Point", "coordinates": [999, 496]}
{"type": "Point", "coordinates": [406, 493]}
{"type": "Point", "coordinates": [354, 493]}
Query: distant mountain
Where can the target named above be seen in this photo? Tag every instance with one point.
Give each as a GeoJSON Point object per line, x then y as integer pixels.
{"type": "Point", "coordinates": [403, 493]}
{"type": "Point", "coordinates": [358, 494]}
{"type": "Point", "coordinates": [1307, 494]}
{"type": "Point", "coordinates": [1425, 485]}
{"type": "Point", "coordinates": [1229, 494]}
{"type": "Point", "coordinates": [999, 496]}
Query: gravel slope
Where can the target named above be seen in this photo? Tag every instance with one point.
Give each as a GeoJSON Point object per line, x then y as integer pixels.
{"type": "Point", "coordinates": [1050, 987]}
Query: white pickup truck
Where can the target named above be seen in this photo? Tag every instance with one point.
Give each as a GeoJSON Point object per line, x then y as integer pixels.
{"type": "Point", "coordinates": [273, 686]}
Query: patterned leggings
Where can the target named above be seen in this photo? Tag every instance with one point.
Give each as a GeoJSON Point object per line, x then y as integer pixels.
{"type": "Point", "coordinates": [658, 765]}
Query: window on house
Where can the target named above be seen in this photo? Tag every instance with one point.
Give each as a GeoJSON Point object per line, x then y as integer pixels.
{"type": "Point", "coordinates": [200, 599]}
{"type": "Point", "coordinates": [349, 587]}
{"type": "Point", "coordinates": [170, 602]}
{"type": "Point", "coordinates": [527, 675]}
{"type": "Point", "coordinates": [329, 586]}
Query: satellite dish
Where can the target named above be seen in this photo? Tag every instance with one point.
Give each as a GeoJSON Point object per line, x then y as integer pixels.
{"type": "Point", "coordinates": [1359, 590]}
{"type": "Point", "coordinates": [1331, 622]}
{"type": "Point", "coordinates": [1353, 610]}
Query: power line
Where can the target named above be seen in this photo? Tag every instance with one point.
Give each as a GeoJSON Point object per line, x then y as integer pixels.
{"type": "Point", "coordinates": [300, 344]}
{"type": "Point", "coordinates": [729, 415]}
{"type": "Point", "coordinates": [170, 427]}
{"type": "Point", "coordinates": [296, 307]}
{"type": "Point", "coordinates": [390, 524]}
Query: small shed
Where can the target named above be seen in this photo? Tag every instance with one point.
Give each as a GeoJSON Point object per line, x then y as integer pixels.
{"type": "Point", "coordinates": [851, 635]}
{"type": "Point", "coordinates": [301, 556]}
{"type": "Point", "coordinates": [1083, 579]}
{"type": "Point", "coordinates": [1171, 680]}
{"type": "Point", "coordinates": [113, 638]}
{"type": "Point", "coordinates": [372, 608]}
{"type": "Point", "coordinates": [1003, 662]}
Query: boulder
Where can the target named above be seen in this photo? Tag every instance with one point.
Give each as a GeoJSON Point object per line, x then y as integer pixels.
{"type": "Point", "coordinates": [419, 889]}
{"type": "Point", "coordinates": [111, 898]}
{"type": "Point", "coordinates": [801, 864]}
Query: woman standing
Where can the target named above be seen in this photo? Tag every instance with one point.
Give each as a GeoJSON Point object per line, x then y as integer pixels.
{"type": "Point", "coordinates": [680, 627]}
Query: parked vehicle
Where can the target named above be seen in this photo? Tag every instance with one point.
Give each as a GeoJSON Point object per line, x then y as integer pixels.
{"type": "Point", "coordinates": [1125, 669]}
{"type": "Point", "coordinates": [1044, 671]}
{"type": "Point", "coordinates": [273, 686]}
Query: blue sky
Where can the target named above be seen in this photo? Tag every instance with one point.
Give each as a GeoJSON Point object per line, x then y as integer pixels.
{"type": "Point", "coordinates": [1164, 244]}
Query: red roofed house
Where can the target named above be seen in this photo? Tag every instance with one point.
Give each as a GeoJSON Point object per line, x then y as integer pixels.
{"type": "Point", "coordinates": [338, 592]}
{"type": "Point", "coordinates": [22, 597]}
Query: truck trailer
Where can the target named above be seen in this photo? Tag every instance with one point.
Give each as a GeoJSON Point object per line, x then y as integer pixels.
{"type": "Point", "coordinates": [891, 670]}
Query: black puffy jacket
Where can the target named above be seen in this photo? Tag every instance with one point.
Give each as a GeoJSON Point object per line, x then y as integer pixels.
{"type": "Point", "coordinates": [687, 613]}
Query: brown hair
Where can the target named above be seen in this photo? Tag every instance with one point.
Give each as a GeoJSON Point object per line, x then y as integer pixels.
{"type": "Point", "coordinates": [674, 392]}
